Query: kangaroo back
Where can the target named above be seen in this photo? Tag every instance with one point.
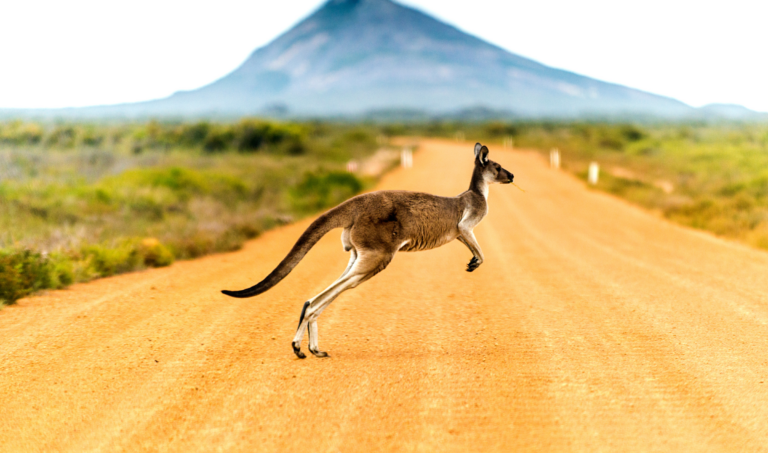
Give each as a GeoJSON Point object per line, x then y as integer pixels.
{"type": "Point", "coordinates": [340, 216]}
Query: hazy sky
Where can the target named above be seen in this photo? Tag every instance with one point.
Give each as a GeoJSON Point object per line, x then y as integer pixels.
{"type": "Point", "coordinates": [82, 52]}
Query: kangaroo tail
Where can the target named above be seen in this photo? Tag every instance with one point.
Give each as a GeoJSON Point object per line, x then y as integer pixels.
{"type": "Point", "coordinates": [340, 216]}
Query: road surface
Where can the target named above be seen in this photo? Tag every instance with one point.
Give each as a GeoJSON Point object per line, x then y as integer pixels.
{"type": "Point", "coordinates": [591, 326]}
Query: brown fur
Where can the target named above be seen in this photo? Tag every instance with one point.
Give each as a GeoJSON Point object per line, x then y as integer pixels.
{"type": "Point", "coordinates": [379, 224]}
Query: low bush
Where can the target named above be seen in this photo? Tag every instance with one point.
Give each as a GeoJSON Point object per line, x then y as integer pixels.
{"type": "Point", "coordinates": [253, 135]}
{"type": "Point", "coordinates": [19, 133]}
{"type": "Point", "coordinates": [26, 271]}
{"type": "Point", "coordinates": [62, 137]}
{"type": "Point", "coordinates": [318, 191]}
{"type": "Point", "coordinates": [23, 272]}
{"type": "Point", "coordinates": [106, 261]}
{"type": "Point", "coordinates": [152, 253]}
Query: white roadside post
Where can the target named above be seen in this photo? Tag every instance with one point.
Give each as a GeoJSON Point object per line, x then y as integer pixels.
{"type": "Point", "coordinates": [594, 173]}
{"type": "Point", "coordinates": [406, 158]}
{"type": "Point", "coordinates": [352, 166]}
{"type": "Point", "coordinates": [554, 158]}
{"type": "Point", "coordinates": [508, 142]}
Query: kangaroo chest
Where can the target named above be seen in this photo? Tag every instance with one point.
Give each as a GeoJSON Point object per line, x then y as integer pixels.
{"type": "Point", "coordinates": [472, 216]}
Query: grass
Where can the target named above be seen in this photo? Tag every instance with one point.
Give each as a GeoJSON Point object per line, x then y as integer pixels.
{"type": "Point", "coordinates": [713, 178]}
{"type": "Point", "coordinates": [83, 201]}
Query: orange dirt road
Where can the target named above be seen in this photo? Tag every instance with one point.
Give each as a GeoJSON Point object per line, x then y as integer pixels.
{"type": "Point", "coordinates": [591, 326]}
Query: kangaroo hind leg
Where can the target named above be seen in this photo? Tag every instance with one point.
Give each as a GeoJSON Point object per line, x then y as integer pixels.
{"type": "Point", "coordinates": [300, 333]}
{"type": "Point", "coordinates": [304, 322]}
{"type": "Point", "coordinates": [365, 266]}
{"type": "Point", "coordinates": [352, 259]}
{"type": "Point", "coordinates": [310, 309]}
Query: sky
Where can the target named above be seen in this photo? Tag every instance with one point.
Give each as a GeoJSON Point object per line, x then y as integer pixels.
{"type": "Point", "coordinates": [83, 52]}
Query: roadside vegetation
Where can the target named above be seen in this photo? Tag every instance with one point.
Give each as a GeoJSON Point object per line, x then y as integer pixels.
{"type": "Point", "coordinates": [82, 201]}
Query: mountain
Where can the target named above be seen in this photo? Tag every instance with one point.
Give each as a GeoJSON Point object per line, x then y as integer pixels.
{"type": "Point", "coordinates": [732, 112]}
{"type": "Point", "coordinates": [351, 57]}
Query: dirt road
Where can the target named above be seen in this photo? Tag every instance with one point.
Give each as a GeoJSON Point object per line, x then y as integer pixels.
{"type": "Point", "coordinates": [592, 326]}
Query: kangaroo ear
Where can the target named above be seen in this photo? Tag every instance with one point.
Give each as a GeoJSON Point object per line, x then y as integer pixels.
{"type": "Point", "coordinates": [484, 155]}
{"type": "Point", "coordinates": [478, 146]}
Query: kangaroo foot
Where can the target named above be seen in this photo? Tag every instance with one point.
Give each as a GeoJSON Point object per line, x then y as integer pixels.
{"type": "Point", "coordinates": [474, 263]}
{"type": "Point", "coordinates": [319, 353]}
{"type": "Point", "coordinates": [297, 350]}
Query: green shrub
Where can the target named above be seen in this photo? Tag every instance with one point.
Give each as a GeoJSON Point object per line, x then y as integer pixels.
{"type": "Point", "coordinates": [62, 137]}
{"type": "Point", "coordinates": [10, 281]}
{"type": "Point", "coordinates": [19, 133]}
{"type": "Point", "coordinates": [218, 139]}
{"type": "Point", "coordinates": [107, 261]}
{"type": "Point", "coordinates": [205, 242]}
{"type": "Point", "coordinates": [22, 273]}
{"type": "Point", "coordinates": [90, 137]}
{"type": "Point", "coordinates": [194, 245]}
{"type": "Point", "coordinates": [632, 133]}
{"type": "Point", "coordinates": [153, 254]}
{"type": "Point", "coordinates": [195, 134]}
{"type": "Point", "coordinates": [499, 129]}
{"type": "Point", "coordinates": [175, 178]}
{"type": "Point", "coordinates": [145, 206]}
{"type": "Point", "coordinates": [129, 255]}
{"type": "Point", "coordinates": [62, 271]}
{"type": "Point", "coordinates": [392, 130]}
{"type": "Point", "coordinates": [318, 191]}
{"type": "Point", "coordinates": [253, 135]}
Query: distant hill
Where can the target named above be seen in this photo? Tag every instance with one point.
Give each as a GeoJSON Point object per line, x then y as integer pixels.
{"type": "Point", "coordinates": [729, 111]}
{"type": "Point", "coordinates": [354, 57]}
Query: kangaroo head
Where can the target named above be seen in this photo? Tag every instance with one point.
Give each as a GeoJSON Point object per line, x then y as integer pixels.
{"type": "Point", "coordinates": [491, 171]}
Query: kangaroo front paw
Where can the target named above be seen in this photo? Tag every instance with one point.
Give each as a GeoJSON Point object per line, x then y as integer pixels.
{"type": "Point", "coordinates": [474, 263]}
{"type": "Point", "coordinates": [297, 351]}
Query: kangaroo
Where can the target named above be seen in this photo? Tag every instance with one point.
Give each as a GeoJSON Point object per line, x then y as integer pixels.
{"type": "Point", "coordinates": [379, 224]}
